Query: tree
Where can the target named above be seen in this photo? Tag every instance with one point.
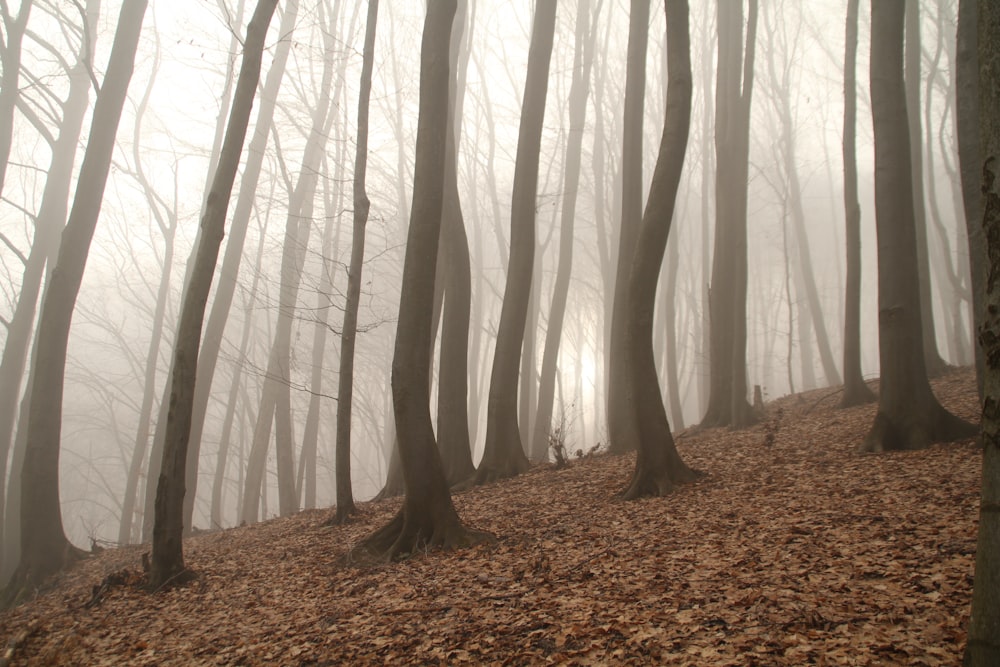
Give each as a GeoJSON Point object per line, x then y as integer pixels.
{"type": "Point", "coordinates": [909, 416]}
{"type": "Point", "coordinates": [453, 376]}
{"type": "Point", "coordinates": [621, 437]}
{"type": "Point", "coordinates": [10, 59]}
{"type": "Point", "coordinates": [345, 497]}
{"type": "Point", "coordinates": [984, 624]}
{"type": "Point", "coordinates": [583, 61]}
{"type": "Point", "coordinates": [658, 465]}
{"type": "Point", "coordinates": [504, 455]}
{"type": "Point", "coordinates": [727, 400]}
{"type": "Point", "coordinates": [967, 122]}
{"type": "Point", "coordinates": [167, 562]}
{"type": "Point", "coordinates": [44, 546]}
{"type": "Point", "coordinates": [428, 517]}
{"type": "Point", "coordinates": [855, 389]}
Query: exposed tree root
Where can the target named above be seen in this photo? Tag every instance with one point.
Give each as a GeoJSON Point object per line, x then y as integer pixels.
{"type": "Point", "coordinates": [647, 482]}
{"type": "Point", "coordinates": [403, 538]}
{"type": "Point", "coordinates": [344, 514]}
{"type": "Point", "coordinates": [857, 394]}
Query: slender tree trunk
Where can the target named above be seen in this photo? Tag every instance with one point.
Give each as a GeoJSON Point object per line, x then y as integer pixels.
{"type": "Point", "coordinates": [428, 517]}
{"type": "Point", "coordinates": [504, 454]}
{"type": "Point", "coordinates": [967, 119]}
{"type": "Point", "coordinates": [856, 391]}
{"type": "Point", "coordinates": [909, 416]}
{"type": "Point", "coordinates": [583, 60]}
{"type": "Point", "coordinates": [44, 547]}
{"type": "Point", "coordinates": [10, 88]}
{"type": "Point", "coordinates": [345, 495]}
{"type": "Point", "coordinates": [168, 557]}
{"type": "Point", "coordinates": [658, 466]}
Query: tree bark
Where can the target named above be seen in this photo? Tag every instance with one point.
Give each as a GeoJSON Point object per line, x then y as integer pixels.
{"type": "Point", "coordinates": [504, 453]}
{"type": "Point", "coordinates": [984, 625]}
{"type": "Point", "coordinates": [345, 495]}
{"type": "Point", "coordinates": [428, 517]}
{"type": "Point", "coordinates": [658, 465]}
{"type": "Point", "coordinates": [44, 546]}
{"type": "Point", "coordinates": [909, 416]}
{"type": "Point", "coordinates": [856, 391]}
{"type": "Point", "coordinates": [621, 423]}
{"type": "Point", "coordinates": [167, 564]}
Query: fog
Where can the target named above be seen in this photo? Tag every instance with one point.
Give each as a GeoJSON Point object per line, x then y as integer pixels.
{"type": "Point", "coordinates": [161, 166]}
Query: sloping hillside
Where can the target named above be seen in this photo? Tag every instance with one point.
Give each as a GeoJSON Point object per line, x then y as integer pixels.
{"type": "Point", "coordinates": [792, 550]}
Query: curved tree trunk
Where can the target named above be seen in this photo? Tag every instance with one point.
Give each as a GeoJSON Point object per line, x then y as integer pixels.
{"type": "Point", "coordinates": [658, 465]}
{"type": "Point", "coordinates": [428, 517]}
{"type": "Point", "coordinates": [44, 547]}
{"type": "Point", "coordinates": [504, 453]}
{"type": "Point", "coordinates": [909, 416]}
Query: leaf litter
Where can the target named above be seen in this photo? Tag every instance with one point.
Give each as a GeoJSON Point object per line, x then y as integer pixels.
{"type": "Point", "coordinates": [794, 549]}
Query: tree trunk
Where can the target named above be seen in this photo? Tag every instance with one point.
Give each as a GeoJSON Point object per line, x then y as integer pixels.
{"type": "Point", "coordinates": [583, 60]}
{"type": "Point", "coordinates": [10, 89]}
{"type": "Point", "coordinates": [727, 402]}
{"type": "Point", "coordinates": [621, 434]}
{"type": "Point", "coordinates": [44, 547]}
{"type": "Point", "coordinates": [345, 495]}
{"type": "Point", "coordinates": [428, 517]}
{"type": "Point", "coordinates": [658, 465]}
{"type": "Point", "coordinates": [909, 416]}
{"type": "Point", "coordinates": [856, 391]}
{"type": "Point", "coordinates": [984, 625]}
{"type": "Point", "coordinates": [504, 454]}
{"type": "Point", "coordinates": [167, 563]}
{"type": "Point", "coordinates": [967, 119]}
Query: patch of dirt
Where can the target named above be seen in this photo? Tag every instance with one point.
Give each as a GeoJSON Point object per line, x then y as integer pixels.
{"type": "Point", "coordinates": [794, 549]}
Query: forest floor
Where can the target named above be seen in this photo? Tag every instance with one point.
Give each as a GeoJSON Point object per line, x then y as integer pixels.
{"type": "Point", "coordinates": [800, 551]}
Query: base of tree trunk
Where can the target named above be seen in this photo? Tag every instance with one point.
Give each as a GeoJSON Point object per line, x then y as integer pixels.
{"type": "Point", "coordinates": [647, 482]}
{"type": "Point", "coordinates": [923, 429]}
{"type": "Point", "coordinates": [721, 417]}
{"type": "Point", "coordinates": [512, 467]}
{"type": "Point", "coordinates": [345, 512]}
{"type": "Point", "coordinates": [178, 578]}
{"type": "Point", "coordinates": [857, 394]}
{"type": "Point", "coordinates": [25, 583]}
{"type": "Point", "coordinates": [407, 536]}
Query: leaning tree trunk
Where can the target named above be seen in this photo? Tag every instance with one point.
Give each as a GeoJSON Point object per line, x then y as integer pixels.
{"type": "Point", "coordinates": [504, 455]}
{"type": "Point", "coordinates": [44, 547]}
{"type": "Point", "coordinates": [167, 563]}
{"type": "Point", "coordinates": [658, 465]}
{"type": "Point", "coordinates": [428, 517]}
{"type": "Point", "coordinates": [984, 624]}
{"type": "Point", "coordinates": [909, 416]}
{"type": "Point", "coordinates": [345, 495]}
{"type": "Point", "coordinates": [621, 436]}
{"type": "Point", "coordinates": [856, 391]}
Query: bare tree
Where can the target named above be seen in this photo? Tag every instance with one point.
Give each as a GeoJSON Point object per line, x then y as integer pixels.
{"type": "Point", "coordinates": [428, 517]}
{"type": "Point", "coordinates": [504, 455]}
{"type": "Point", "coordinates": [909, 416]}
{"type": "Point", "coordinates": [167, 563]}
{"type": "Point", "coordinates": [44, 546]}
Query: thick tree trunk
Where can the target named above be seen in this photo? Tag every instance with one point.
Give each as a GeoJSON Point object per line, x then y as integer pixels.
{"type": "Point", "coordinates": [44, 547]}
{"type": "Point", "coordinates": [428, 517]}
{"type": "Point", "coordinates": [167, 564]}
{"type": "Point", "coordinates": [504, 454]}
{"type": "Point", "coordinates": [984, 625]}
{"type": "Point", "coordinates": [658, 465]}
{"type": "Point", "coordinates": [856, 391]}
{"type": "Point", "coordinates": [909, 416]}
{"type": "Point", "coordinates": [621, 434]}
